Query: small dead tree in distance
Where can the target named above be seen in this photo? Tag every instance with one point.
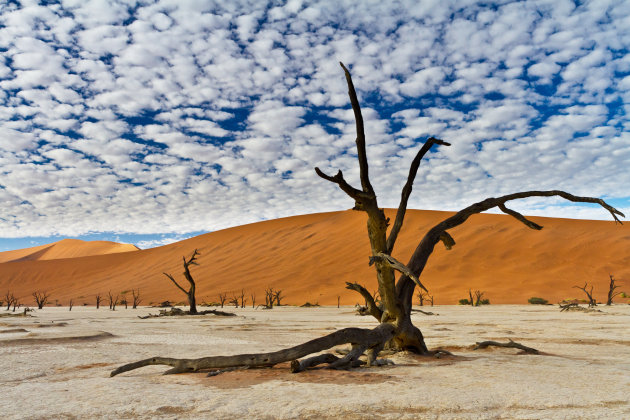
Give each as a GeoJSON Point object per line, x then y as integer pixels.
{"type": "Point", "coordinates": [8, 299]}
{"type": "Point", "coordinates": [98, 301]}
{"type": "Point", "coordinates": [234, 301]}
{"type": "Point", "coordinates": [243, 298]}
{"type": "Point", "coordinates": [70, 304]}
{"type": "Point", "coordinates": [222, 298]}
{"type": "Point", "coordinates": [395, 329]}
{"type": "Point", "coordinates": [113, 300]}
{"type": "Point", "coordinates": [611, 291]}
{"type": "Point", "coordinates": [277, 295]}
{"type": "Point", "coordinates": [136, 298]}
{"type": "Point", "coordinates": [190, 293]}
{"type": "Point", "coordinates": [40, 299]}
{"type": "Point", "coordinates": [269, 297]}
{"type": "Point", "coordinates": [253, 296]}
{"type": "Point", "coordinates": [591, 301]}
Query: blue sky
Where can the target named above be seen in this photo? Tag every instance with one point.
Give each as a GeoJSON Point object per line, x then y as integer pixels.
{"type": "Point", "coordinates": [152, 121]}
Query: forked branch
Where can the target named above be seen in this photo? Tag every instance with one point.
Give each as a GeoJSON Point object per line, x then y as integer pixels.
{"type": "Point", "coordinates": [406, 191]}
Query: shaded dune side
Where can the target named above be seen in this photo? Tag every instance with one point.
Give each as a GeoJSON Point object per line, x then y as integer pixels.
{"type": "Point", "coordinates": [311, 256]}
{"type": "Point", "coordinates": [66, 248]}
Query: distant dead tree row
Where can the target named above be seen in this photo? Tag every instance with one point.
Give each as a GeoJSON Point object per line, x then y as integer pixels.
{"type": "Point", "coordinates": [612, 292]}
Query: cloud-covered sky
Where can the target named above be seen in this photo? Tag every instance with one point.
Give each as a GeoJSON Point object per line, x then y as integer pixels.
{"type": "Point", "coordinates": [167, 118]}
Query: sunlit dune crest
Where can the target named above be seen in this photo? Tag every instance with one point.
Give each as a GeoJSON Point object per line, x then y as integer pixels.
{"type": "Point", "coordinates": [66, 248]}
{"type": "Point", "coordinates": [311, 257]}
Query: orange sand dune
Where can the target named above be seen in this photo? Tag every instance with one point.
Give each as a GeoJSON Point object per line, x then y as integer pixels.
{"type": "Point", "coordinates": [311, 257]}
{"type": "Point", "coordinates": [66, 248]}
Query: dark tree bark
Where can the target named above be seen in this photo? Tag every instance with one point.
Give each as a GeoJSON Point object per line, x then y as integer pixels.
{"type": "Point", "coordinates": [40, 298]}
{"type": "Point", "coordinates": [98, 301]}
{"type": "Point", "coordinates": [70, 305]}
{"type": "Point", "coordinates": [591, 301]}
{"type": "Point", "coordinates": [190, 293]}
{"type": "Point", "coordinates": [395, 328]}
{"type": "Point", "coordinates": [253, 296]}
{"type": "Point", "coordinates": [611, 291]}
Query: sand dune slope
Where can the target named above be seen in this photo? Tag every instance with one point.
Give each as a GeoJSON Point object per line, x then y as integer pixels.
{"type": "Point", "coordinates": [311, 257]}
{"type": "Point", "coordinates": [66, 248]}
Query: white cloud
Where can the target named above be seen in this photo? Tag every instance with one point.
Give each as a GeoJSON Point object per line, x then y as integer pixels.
{"type": "Point", "coordinates": [142, 116]}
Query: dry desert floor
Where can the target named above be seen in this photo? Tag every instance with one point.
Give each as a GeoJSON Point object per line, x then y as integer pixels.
{"type": "Point", "coordinates": [56, 364]}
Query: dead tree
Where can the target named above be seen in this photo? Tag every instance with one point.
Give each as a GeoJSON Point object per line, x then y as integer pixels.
{"type": "Point", "coordinates": [338, 301]}
{"type": "Point", "coordinates": [113, 301]}
{"type": "Point", "coordinates": [422, 296]}
{"type": "Point", "coordinates": [234, 301]}
{"type": "Point", "coordinates": [98, 301]}
{"type": "Point", "coordinates": [395, 329]}
{"type": "Point", "coordinates": [191, 290]}
{"type": "Point", "coordinates": [431, 299]}
{"type": "Point", "coordinates": [70, 304]}
{"type": "Point", "coordinates": [253, 296]}
{"type": "Point", "coordinates": [136, 298]}
{"type": "Point", "coordinates": [611, 291]}
{"type": "Point", "coordinates": [277, 296]}
{"type": "Point", "coordinates": [222, 298]}
{"type": "Point", "coordinates": [8, 299]}
{"type": "Point", "coordinates": [243, 298]}
{"type": "Point", "coordinates": [478, 295]}
{"type": "Point", "coordinates": [591, 301]}
{"type": "Point", "coordinates": [269, 297]}
{"type": "Point", "coordinates": [40, 299]}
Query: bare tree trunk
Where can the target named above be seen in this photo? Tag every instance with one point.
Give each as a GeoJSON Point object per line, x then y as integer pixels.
{"type": "Point", "coordinates": [70, 305]}
{"type": "Point", "coordinates": [253, 296]}
{"type": "Point", "coordinates": [98, 301]}
{"type": "Point", "coordinates": [395, 328]}
{"type": "Point", "coordinates": [136, 298]}
{"type": "Point", "coordinates": [611, 291]}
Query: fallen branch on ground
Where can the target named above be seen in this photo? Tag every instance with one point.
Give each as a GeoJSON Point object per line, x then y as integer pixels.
{"type": "Point", "coordinates": [510, 344]}
{"type": "Point", "coordinates": [178, 312]}
{"type": "Point", "coordinates": [362, 340]}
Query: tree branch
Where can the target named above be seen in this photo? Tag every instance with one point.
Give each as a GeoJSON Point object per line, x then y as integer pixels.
{"type": "Point", "coordinates": [510, 344]}
{"type": "Point", "coordinates": [173, 280]}
{"type": "Point", "coordinates": [397, 265]}
{"type": "Point", "coordinates": [358, 118]}
{"type": "Point", "coordinates": [374, 310]}
{"type": "Point", "coordinates": [423, 251]}
{"type": "Point", "coordinates": [338, 179]}
{"type": "Point", "coordinates": [406, 191]}
{"type": "Point", "coordinates": [519, 217]}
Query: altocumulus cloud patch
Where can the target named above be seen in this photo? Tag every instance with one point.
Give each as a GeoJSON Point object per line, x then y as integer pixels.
{"type": "Point", "coordinates": [185, 116]}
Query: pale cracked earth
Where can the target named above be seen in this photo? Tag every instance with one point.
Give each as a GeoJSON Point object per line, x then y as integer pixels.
{"type": "Point", "coordinates": [56, 364]}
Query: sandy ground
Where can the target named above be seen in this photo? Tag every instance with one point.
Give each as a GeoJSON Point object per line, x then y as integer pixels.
{"type": "Point", "coordinates": [56, 364]}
